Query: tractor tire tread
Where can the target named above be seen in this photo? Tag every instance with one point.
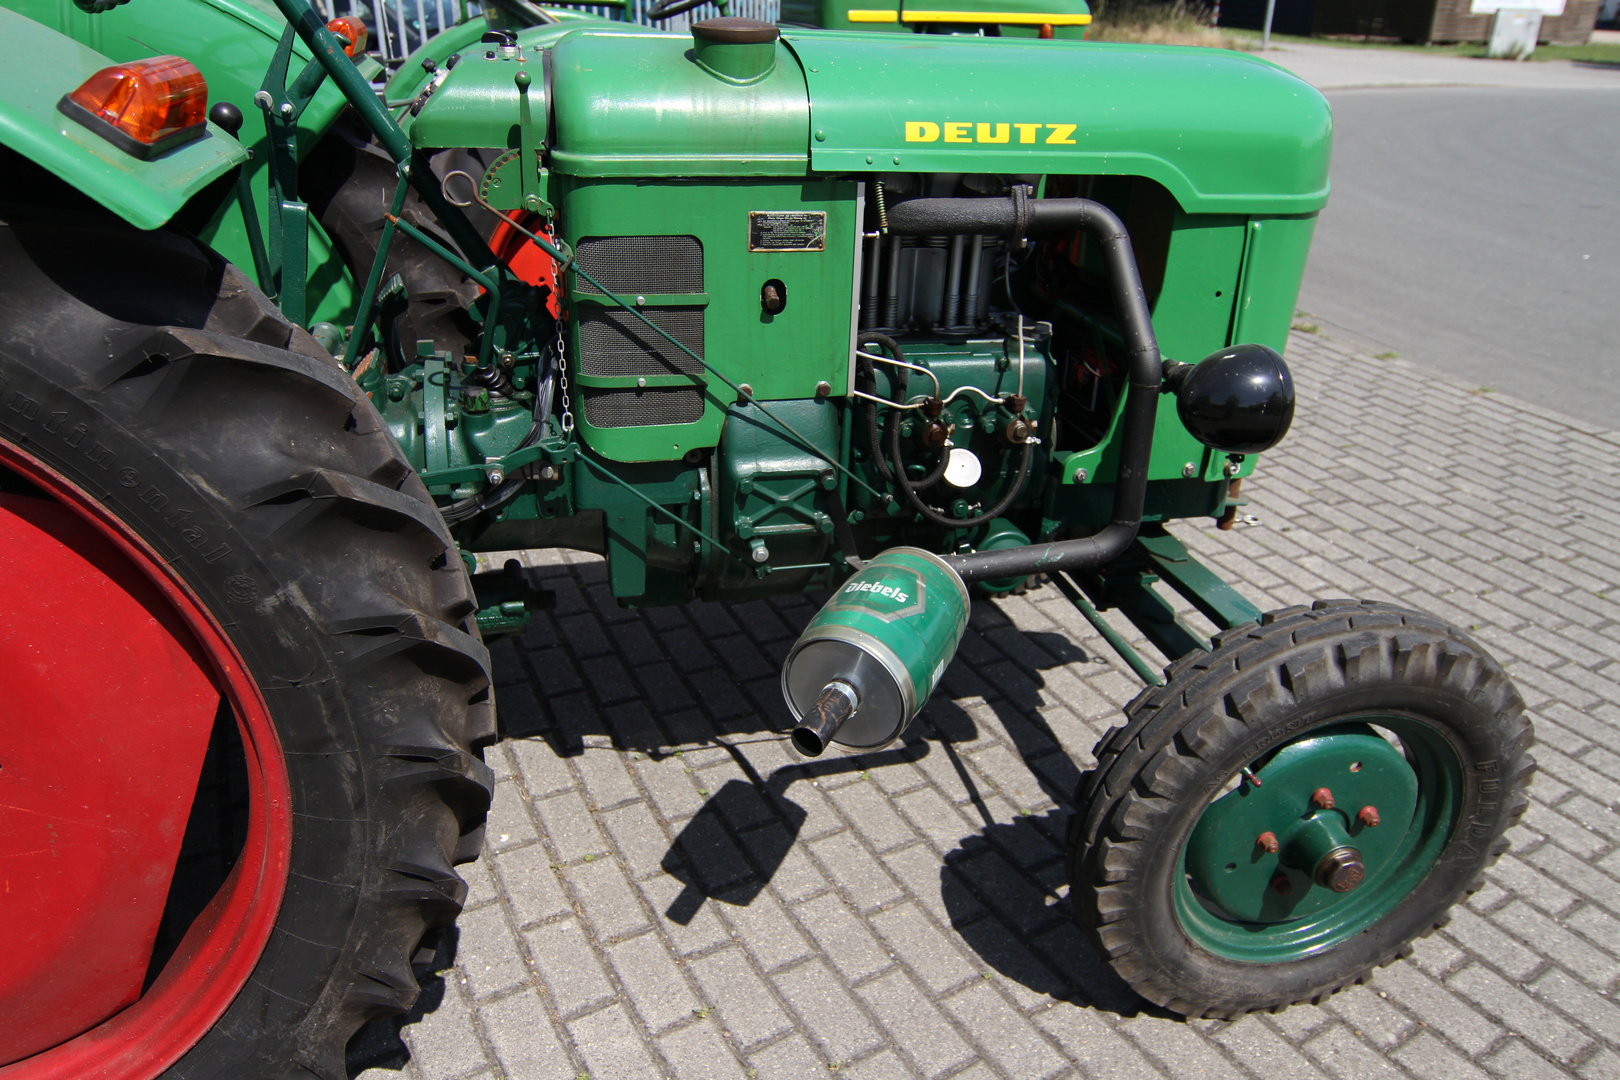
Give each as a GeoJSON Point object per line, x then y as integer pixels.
{"type": "Point", "coordinates": [1143, 765]}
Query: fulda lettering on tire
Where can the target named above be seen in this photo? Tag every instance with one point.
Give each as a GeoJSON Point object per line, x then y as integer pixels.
{"type": "Point", "coordinates": [193, 481]}
{"type": "Point", "coordinates": [1295, 807]}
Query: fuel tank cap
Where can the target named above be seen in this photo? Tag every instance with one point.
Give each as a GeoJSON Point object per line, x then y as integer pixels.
{"type": "Point", "coordinates": [734, 49]}
{"type": "Point", "coordinates": [735, 30]}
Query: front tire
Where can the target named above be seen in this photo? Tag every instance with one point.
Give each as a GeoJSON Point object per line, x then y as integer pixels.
{"type": "Point", "coordinates": [156, 396]}
{"type": "Point", "coordinates": [1213, 895]}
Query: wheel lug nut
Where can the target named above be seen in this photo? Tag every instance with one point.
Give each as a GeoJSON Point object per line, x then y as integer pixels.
{"type": "Point", "coordinates": [1322, 798]}
{"type": "Point", "coordinates": [1282, 884]}
{"type": "Point", "coordinates": [1368, 816]}
{"type": "Point", "coordinates": [1267, 842]}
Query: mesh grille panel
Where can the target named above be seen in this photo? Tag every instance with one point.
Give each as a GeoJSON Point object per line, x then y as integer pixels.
{"type": "Point", "coordinates": [613, 342]}
{"type": "Point", "coordinates": [605, 408]}
{"type": "Point", "coordinates": [641, 264]}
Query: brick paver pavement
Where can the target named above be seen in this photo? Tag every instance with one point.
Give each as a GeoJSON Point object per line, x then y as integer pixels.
{"type": "Point", "coordinates": [668, 891]}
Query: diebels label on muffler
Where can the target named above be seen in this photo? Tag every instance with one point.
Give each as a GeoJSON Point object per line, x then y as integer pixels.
{"type": "Point", "coordinates": [870, 658]}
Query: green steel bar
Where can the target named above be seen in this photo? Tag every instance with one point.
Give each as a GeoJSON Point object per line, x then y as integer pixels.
{"type": "Point", "coordinates": [1219, 602]}
{"type": "Point", "coordinates": [443, 252]}
{"type": "Point", "coordinates": [368, 297]}
{"type": "Point", "coordinates": [250, 220]}
{"type": "Point", "coordinates": [374, 114]}
{"type": "Point", "coordinates": [1131, 657]}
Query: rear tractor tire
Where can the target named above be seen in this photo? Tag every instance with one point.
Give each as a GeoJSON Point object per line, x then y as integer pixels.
{"type": "Point", "coordinates": [1295, 807]}
{"type": "Point", "coordinates": [168, 436]}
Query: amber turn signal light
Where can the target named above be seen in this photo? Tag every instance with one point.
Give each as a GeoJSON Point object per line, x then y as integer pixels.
{"type": "Point", "coordinates": [144, 107]}
{"type": "Point", "coordinates": [352, 32]}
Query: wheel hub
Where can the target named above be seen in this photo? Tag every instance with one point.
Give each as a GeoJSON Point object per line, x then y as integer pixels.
{"type": "Point", "coordinates": [1299, 842]}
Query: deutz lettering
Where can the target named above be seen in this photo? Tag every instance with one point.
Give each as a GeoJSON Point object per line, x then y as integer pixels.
{"type": "Point", "coordinates": [966, 131]}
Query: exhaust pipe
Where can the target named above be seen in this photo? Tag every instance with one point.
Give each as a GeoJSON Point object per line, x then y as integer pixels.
{"type": "Point", "coordinates": [868, 661]}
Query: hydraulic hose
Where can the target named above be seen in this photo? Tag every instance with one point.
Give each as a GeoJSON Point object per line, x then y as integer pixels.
{"type": "Point", "coordinates": [1015, 217]}
{"type": "Point", "coordinates": [910, 489]}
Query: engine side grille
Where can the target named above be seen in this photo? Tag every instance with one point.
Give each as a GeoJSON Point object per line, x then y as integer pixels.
{"type": "Point", "coordinates": [641, 264]}
{"type": "Point", "coordinates": [610, 408]}
{"type": "Point", "coordinates": [617, 344]}
{"type": "Point", "coordinates": [613, 342]}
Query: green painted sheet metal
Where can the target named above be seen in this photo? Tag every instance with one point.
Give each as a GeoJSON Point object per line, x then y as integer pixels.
{"type": "Point", "coordinates": [44, 66]}
{"type": "Point", "coordinates": [782, 357]}
{"type": "Point", "coordinates": [639, 105]}
{"type": "Point", "coordinates": [1273, 269]}
{"type": "Point", "coordinates": [231, 42]}
{"type": "Point", "coordinates": [480, 103]}
{"type": "Point", "coordinates": [411, 77]}
{"type": "Point", "coordinates": [1224, 132]}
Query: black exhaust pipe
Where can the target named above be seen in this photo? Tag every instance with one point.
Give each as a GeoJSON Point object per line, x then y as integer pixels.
{"type": "Point", "coordinates": [1016, 217]}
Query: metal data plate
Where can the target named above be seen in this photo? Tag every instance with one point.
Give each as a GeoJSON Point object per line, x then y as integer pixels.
{"type": "Point", "coordinates": [787, 230]}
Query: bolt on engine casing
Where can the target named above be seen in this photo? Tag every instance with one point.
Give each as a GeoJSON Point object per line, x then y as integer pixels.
{"type": "Point", "coordinates": [889, 632]}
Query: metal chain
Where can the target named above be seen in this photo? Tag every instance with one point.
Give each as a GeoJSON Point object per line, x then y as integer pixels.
{"type": "Point", "coordinates": [567, 420]}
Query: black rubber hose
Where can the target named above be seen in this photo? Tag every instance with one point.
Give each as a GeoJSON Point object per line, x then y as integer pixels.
{"type": "Point", "coordinates": [1013, 217]}
{"type": "Point", "coordinates": [865, 367]}
{"type": "Point", "coordinates": [909, 490]}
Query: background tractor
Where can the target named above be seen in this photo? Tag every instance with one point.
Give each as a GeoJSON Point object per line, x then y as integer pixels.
{"type": "Point", "coordinates": [745, 310]}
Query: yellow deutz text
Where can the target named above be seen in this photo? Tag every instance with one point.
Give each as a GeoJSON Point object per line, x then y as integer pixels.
{"type": "Point", "coordinates": [963, 131]}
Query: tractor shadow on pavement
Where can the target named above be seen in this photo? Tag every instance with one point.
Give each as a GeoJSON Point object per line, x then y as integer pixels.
{"type": "Point", "coordinates": [590, 675]}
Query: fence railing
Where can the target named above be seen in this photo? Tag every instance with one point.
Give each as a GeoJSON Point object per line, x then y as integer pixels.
{"type": "Point", "coordinates": [398, 27]}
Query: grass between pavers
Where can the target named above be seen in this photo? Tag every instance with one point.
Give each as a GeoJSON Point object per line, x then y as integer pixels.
{"type": "Point", "coordinates": [1604, 53]}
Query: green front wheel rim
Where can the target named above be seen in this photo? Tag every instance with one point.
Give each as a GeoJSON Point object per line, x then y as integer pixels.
{"type": "Point", "coordinates": [1241, 924]}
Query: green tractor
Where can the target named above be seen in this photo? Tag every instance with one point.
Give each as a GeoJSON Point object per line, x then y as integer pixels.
{"type": "Point", "coordinates": [746, 311]}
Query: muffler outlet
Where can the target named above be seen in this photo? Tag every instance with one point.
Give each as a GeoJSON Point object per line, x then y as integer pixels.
{"type": "Point", "coordinates": [868, 661]}
{"type": "Point", "coordinates": [836, 705]}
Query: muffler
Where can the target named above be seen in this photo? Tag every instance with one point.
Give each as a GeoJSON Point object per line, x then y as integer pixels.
{"type": "Point", "coordinates": [868, 661]}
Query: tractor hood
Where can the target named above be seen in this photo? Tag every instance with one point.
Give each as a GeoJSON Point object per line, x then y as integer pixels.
{"type": "Point", "coordinates": [1222, 131]}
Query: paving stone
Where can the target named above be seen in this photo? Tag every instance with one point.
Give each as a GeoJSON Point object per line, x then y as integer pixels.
{"type": "Point", "coordinates": [1522, 1014]}
{"type": "Point", "coordinates": [567, 963]}
{"type": "Point", "coordinates": [1428, 1057]}
{"type": "Point", "coordinates": [843, 937]}
{"type": "Point", "coordinates": [933, 956]}
{"type": "Point", "coordinates": [856, 871]}
{"type": "Point", "coordinates": [1596, 1011]}
{"type": "Point", "coordinates": [444, 1044]}
{"type": "Point", "coordinates": [1343, 1055]}
{"type": "Point", "coordinates": [1003, 1034]}
{"type": "Point", "coordinates": [790, 1059]}
{"type": "Point", "coordinates": [884, 1065]}
{"type": "Point", "coordinates": [766, 931]}
{"type": "Point", "coordinates": [612, 1047]}
{"type": "Point", "coordinates": [606, 895]}
{"type": "Point", "coordinates": [1437, 1007]}
{"type": "Point", "coordinates": [653, 982]}
{"type": "Point", "coordinates": [524, 1041]}
{"type": "Point", "coordinates": [744, 1004]}
{"type": "Point", "coordinates": [1517, 1061]}
{"type": "Point", "coordinates": [1372, 1017]}
{"type": "Point", "coordinates": [827, 1011]}
{"type": "Point", "coordinates": [491, 960]}
{"type": "Point", "coordinates": [698, 1052]}
{"type": "Point", "coordinates": [922, 1033]}
{"type": "Point", "coordinates": [1258, 1049]}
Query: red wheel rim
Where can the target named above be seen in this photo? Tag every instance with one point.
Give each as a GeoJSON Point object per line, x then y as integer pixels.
{"type": "Point", "coordinates": [219, 951]}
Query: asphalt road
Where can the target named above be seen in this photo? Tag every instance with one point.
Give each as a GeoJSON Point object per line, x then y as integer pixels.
{"type": "Point", "coordinates": [1478, 229]}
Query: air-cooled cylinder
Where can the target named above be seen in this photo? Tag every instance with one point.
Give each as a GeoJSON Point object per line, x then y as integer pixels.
{"type": "Point", "coordinates": [880, 645]}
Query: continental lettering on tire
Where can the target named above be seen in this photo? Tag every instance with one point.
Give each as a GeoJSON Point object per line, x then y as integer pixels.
{"type": "Point", "coordinates": [103, 457]}
{"type": "Point", "coordinates": [992, 134]}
